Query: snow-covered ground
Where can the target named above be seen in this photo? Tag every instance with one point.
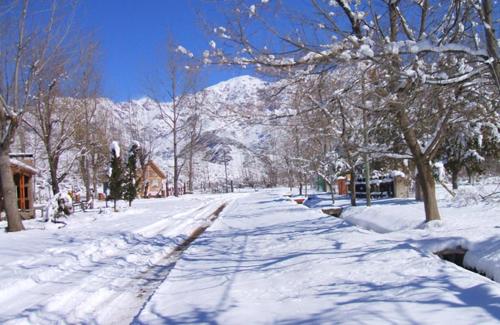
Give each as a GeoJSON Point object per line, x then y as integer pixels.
{"type": "Point", "coordinates": [265, 259]}
{"type": "Point", "coordinates": [269, 260]}
{"type": "Point", "coordinates": [101, 266]}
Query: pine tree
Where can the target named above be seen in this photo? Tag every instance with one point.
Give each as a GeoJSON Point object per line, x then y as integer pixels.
{"type": "Point", "coordinates": [130, 186]}
{"type": "Point", "coordinates": [116, 175]}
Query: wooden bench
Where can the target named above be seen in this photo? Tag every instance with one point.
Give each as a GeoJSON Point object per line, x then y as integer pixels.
{"type": "Point", "coordinates": [82, 205]}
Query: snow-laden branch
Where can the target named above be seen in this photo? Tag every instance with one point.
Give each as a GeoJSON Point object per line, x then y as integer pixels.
{"type": "Point", "coordinates": [412, 47]}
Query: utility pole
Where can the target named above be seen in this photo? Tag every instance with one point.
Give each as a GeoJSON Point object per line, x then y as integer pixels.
{"type": "Point", "coordinates": [366, 158]}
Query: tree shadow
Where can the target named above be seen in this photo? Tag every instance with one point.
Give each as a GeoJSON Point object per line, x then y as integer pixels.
{"type": "Point", "coordinates": [249, 251]}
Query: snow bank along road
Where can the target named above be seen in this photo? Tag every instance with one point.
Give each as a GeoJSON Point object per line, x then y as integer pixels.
{"type": "Point", "coordinates": [267, 260]}
{"type": "Point", "coordinates": [100, 268]}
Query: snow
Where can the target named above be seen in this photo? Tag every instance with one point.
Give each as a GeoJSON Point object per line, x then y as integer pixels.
{"type": "Point", "coordinates": [184, 51]}
{"type": "Point", "coordinates": [114, 147]}
{"type": "Point", "coordinates": [97, 268]}
{"type": "Point", "coordinates": [366, 51]}
{"type": "Point", "coordinates": [440, 171]}
{"type": "Point", "coordinates": [265, 259]}
{"type": "Point", "coordinates": [268, 260]}
{"type": "Point", "coordinates": [252, 11]}
{"type": "Point", "coordinates": [23, 165]}
{"type": "Point", "coordinates": [220, 124]}
{"type": "Point", "coordinates": [396, 173]}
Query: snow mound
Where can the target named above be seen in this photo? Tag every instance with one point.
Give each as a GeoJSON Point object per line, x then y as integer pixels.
{"type": "Point", "coordinates": [384, 218]}
{"type": "Point", "coordinates": [485, 258]}
{"type": "Point", "coordinates": [468, 195]}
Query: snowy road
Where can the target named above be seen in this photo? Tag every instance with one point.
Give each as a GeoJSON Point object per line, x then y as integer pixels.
{"type": "Point", "coordinates": [267, 260]}
{"type": "Point", "coordinates": [100, 268]}
{"type": "Point", "coordinates": [264, 260]}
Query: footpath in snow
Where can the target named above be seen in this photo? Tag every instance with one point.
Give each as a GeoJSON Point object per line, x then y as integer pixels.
{"type": "Point", "coordinates": [268, 260]}
{"type": "Point", "coordinates": [100, 268]}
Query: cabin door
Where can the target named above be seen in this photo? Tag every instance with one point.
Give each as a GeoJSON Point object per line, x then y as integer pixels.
{"type": "Point", "coordinates": [22, 183]}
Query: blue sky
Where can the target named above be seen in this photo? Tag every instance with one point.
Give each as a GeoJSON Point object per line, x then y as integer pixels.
{"type": "Point", "coordinates": [132, 36]}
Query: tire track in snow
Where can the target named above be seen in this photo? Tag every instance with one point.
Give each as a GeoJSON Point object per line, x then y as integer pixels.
{"type": "Point", "coordinates": [114, 292]}
{"type": "Point", "coordinates": [122, 307]}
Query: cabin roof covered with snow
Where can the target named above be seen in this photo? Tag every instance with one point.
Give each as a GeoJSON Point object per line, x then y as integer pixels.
{"type": "Point", "coordinates": [23, 166]}
{"type": "Point", "coordinates": [157, 169]}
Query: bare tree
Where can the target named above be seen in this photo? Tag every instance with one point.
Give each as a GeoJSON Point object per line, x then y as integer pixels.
{"type": "Point", "coordinates": [145, 134]}
{"type": "Point", "coordinates": [26, 52]}
{"type": "Point", "coordinates": [52, 117]}
{"type": "Point", "coordinates": [87, 126]}
{"type": "Point", "coordinates": [410, 56]}
{"type": "Point", "coordinates": [172, 95]}
{"type": "Point", "coordinates": [191, 134]}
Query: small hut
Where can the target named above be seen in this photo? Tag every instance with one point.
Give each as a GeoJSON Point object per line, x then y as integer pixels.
{"type": "Point", "coordinates": [23, 172]}
{"type": "Point", "coordinates": [153, 181]}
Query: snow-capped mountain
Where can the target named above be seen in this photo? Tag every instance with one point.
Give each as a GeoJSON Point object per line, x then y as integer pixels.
{"type": "Point", "coordinates": [224, 110]}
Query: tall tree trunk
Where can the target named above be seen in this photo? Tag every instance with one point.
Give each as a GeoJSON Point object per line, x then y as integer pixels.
{"type": "Point", "coordinates": [353, 187]}
{"type": "Point", "coordinates": [454, 178]}
{"type": "Point", "coordinates": [470, 175]}
{"type": "Point", "coordinates": [423, 164]}
{"type": "Point", "coordinates": [366, 158]}
{"type": "Point", "coordinates": [94, 180]}
{"type": "Point", "coordinates": [190, 171]}
{"type": "Point", "coordinates": [1, 199]}
{"type": "Point", "coordinates": [418, 190]}
{"type": "Point", "coordinates": [491, 41]}
{"type": "Point", "coordinates": [9, 192]}
{"type": "Point", "coordinates": [225, 172]}
{"type": "Point", "coordinates": [332, 189]}
{"type": "Point", "coordinates": [176, 172]}
{"type": "Point", "coordinates": [53, 164]}
{"type": "Point", "coordinates": [428, 186]}
{"type": "Point", "coordinates": [85, 173]}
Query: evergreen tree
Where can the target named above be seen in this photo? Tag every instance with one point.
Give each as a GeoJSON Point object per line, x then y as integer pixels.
{"type": "Point", "coordinates": [130, 186]}
{"type": "Point", "coordinates": [115, 175]}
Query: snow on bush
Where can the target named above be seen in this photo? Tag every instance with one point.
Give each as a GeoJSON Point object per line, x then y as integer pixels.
{"type": "Point", "coordinates": [466, 196]}
{"type": "Point", "coordinates": [473, 195]}
{"type": "Point", "coordinates": [439, 171]}
{"type": "Point", "coordinates": [115, 147]}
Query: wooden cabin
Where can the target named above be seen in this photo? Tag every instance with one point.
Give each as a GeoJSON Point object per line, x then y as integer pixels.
{"type": "Point", "coordinates": [23, 172]}
{"type": "Point", "coordinates": [154, 181]}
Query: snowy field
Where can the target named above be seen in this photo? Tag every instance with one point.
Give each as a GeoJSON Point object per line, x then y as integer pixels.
{"type": "Point", "coordinates": [264, 260]}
